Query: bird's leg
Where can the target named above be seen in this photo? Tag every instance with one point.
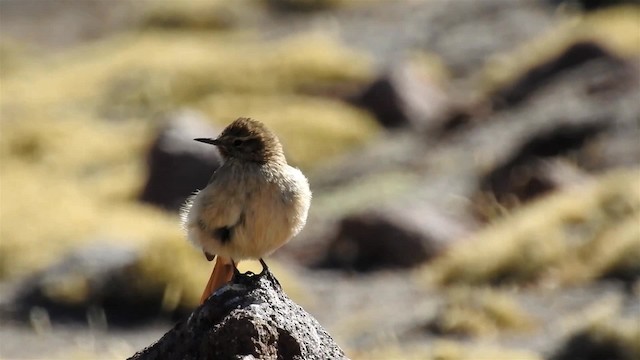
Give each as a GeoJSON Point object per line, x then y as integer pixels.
{"type": "Point", "coordinates": [223, 272]}
{"type": "Point", "coordinates": [264, 266]}
{"type": "Point", "coordinates": [236, 272]}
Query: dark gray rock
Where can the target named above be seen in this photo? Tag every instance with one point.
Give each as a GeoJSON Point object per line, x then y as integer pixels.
{"type": "Point", "coordinates": [592, 5]}
{"type": "Point", "coordinates": [178, 166]}
{"type": "Point", "coordinates": [249, 318]}
{"type": "Point", "coordinates": [89, 284]}
{"type": "Point", "coordinates": [593, 345]}
{"type": "Point", "coordinates": [587, 116]}
{"type": "Point", "coordinates": [537, 77]}
{"type": "Point", "coordinates": [529, 173]}
{"type": "Point", "coordinates": [406, 96]}
{"type": "Point", "coordinates": [397, 236]}
{"type": "Point", "coordinates": [304, 6]}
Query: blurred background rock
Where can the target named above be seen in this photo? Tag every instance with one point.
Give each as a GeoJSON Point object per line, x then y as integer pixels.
{"type": "Point", "coordinates": [474, 168]}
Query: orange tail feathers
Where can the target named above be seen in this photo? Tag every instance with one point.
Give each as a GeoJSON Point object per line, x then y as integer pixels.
{"type": "Point", "coordinates": [221, 274]}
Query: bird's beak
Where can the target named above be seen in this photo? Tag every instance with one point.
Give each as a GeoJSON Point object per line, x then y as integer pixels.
{"type": "Point", "coordinates": [215, 142]}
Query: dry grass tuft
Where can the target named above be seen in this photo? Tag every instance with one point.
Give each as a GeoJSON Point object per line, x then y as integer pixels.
{"type": "Point", "coordinates": [615, 29]}
{"type": "Point", "coordinates": [198, 15]}
{"type": "Point", "coordinates": [14, 55]}
{"type": "Point", "coordinates": [479, 312]}
{"type": "Point", "coordinates": [126, 75]}
{"type": "Point", "coordinates": [573, 236]}
{"type": "Point", "coordinates": [443, 350]}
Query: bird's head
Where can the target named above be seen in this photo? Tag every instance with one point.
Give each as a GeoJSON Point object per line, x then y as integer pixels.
{"type": "Point", "coordinates": [247, 139]}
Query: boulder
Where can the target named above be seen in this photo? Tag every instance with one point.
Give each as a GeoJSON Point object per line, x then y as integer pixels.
{"type": "Point", "coordinates": [249, 318]}
{"type": "Point", "coordinates": [178, 166]}
{"type": "Point", "coordinates": [538, 76]}
{"type": "Point", "coordinates": [86, 285]}
{"type": "Point", "coordinates": [535, 168]}
{"type": "Point", "coordinates": [584, 122]}
{"type": "Point", "coordinates": [410, 94]}
{"type": "Point", "coordinates": [391, 237]}
{"type": "Point", "coordinates": [596, 344]}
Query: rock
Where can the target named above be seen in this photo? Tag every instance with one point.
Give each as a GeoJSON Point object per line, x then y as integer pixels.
{"type": "Point", "coordinates": [249, 318]}
{"type": "Point", "coordinates": [592, 344]}
{"type": "Point", "coordinates": [86, 284]}
{"type": "Point", "coordinates": [178, 166]}
{"type": "Point", "coordinates": [408, 95]}
{"type": "Point", "coordinates": [533, 80]}
{"type": "Point", "coordinates": [592, 5]}
{"type": "Point", "coordinates": [527, 175]}
{"type": "Point", "coordinates": [303, 5]}
{"type": "Point", "coordinates": [587, 116]}
{"type": "Point", "coordinates": [391, 237]}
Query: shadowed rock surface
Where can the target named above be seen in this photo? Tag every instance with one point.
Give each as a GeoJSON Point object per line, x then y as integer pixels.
{"type": "Point", "coordinates": [394, 237]}
{"type": "Point", "coordinates": [178, 166]}
{"type": "Point", "coordinates": [589, 345]}
{"type": "Point", "coordinates": [86, 285]}
{"type": "Point", "coordinates": [536, 78]}
{"type": "Point", "coordinates": [406, 96]}
{"type": "Point", "coordinates": [249, 318]}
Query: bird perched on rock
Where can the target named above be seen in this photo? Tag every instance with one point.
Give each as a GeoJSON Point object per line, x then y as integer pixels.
{"type": "Point", "coordinates": [253, 204]}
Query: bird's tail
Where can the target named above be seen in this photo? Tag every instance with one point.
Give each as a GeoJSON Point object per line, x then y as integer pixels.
{"type": "Point", "coordinates": [221, 274]}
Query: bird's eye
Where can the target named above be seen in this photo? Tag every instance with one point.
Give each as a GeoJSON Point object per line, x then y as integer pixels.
{"type": "Point", "coordinates": [237, 142]}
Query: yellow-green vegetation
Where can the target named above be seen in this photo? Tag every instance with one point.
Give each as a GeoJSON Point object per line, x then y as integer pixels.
{"type": "Point", "coordinates": [174, 68]}
{"type": "Point", "coordinates": [14, 55]}
{"type": "Point", "coordinates": [431, 66]}
{"type": "Point", "coordinates": [369, 191]}
{"type": "Point", "coordinates": [479, 312]}
{"type": "Point", "coordinates": [615, 29]}
{"type": "Point", "coordinates": [571, 236]}
{"type": "Point", "coordinates": [204, 15]}
{"type": "Point", "coordinates": [443, 350]}
{"type": "Point", "coordinates": [75, 128]}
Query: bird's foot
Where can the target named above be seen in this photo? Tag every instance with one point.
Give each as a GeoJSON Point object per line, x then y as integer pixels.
{"type": "Point", "coordinates": [236, 271]}
{"type": "Point", "coordinates": [264, 266]}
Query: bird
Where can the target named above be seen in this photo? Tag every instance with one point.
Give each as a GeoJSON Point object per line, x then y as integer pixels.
{"type": "Point", "coordinates": [254, 203]}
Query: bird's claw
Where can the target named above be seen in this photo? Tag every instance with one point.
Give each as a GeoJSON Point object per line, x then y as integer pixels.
{"type": "Point", "coordinates": [264, 266]}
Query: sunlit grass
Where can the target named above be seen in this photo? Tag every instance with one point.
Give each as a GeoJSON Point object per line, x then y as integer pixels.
{"type": "Point", "coordinates": [201, 15]}
{"type": "Point", "coordinates": [444, 350]}
{"type": "Point", "coordinates": [571, 236]}
{"type": "Point", "coordinates": [176, 67]}
{"type": "Point", "coordinates": [471, 311]}
{"type": "Point", "coordinates": [615, 29]}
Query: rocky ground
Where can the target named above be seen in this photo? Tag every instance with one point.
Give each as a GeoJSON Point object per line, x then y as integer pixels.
{"type": "Point", "coordinates": [474, 168]}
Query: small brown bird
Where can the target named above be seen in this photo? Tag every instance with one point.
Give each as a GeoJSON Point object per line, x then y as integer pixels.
{"type": "Point", "coordinates": [254, 203]}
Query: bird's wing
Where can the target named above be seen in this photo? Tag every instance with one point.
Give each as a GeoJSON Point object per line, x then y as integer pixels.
{"type": "Point", "coordinates": [220, 209]}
